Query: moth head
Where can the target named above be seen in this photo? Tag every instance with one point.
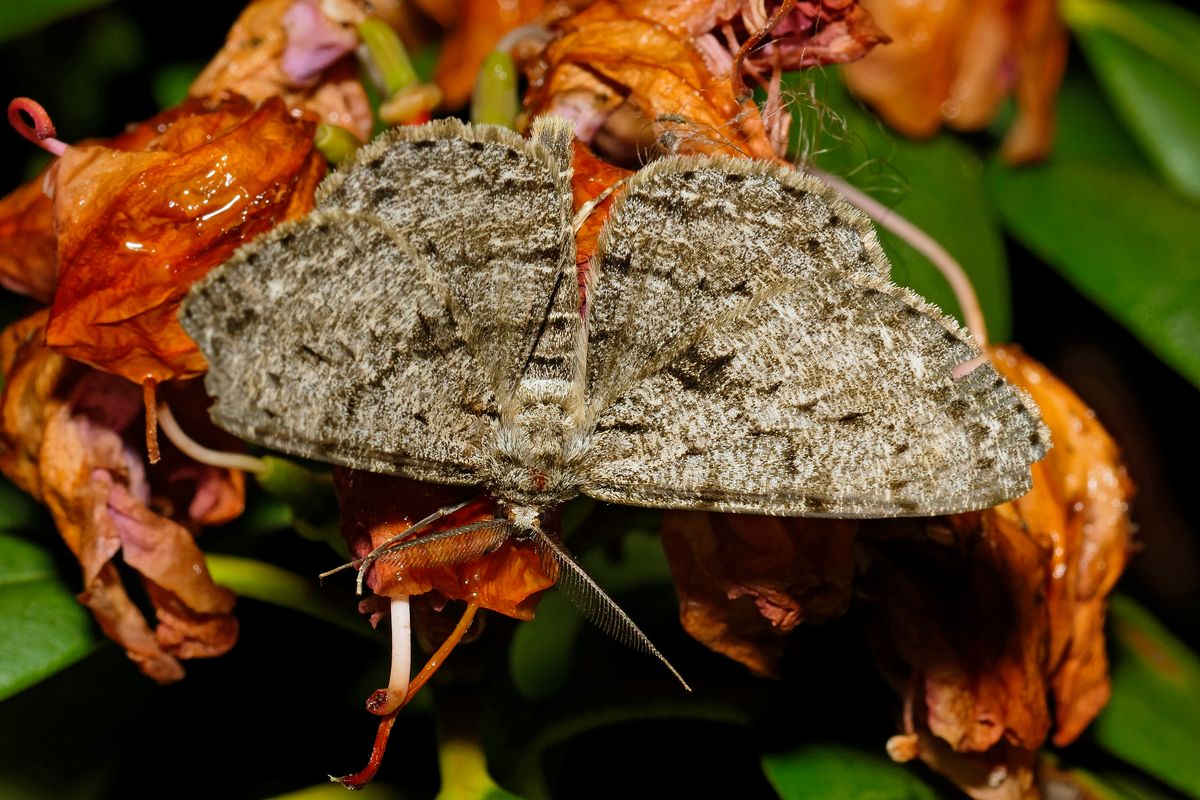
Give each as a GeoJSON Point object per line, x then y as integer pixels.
{"type": "Point", "coordinates": [532, 463]}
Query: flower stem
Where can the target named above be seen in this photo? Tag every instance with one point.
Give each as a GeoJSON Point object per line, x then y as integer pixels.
{"type": "Point", "coordinates": [198, 452]}
{"type": "Point", "coordinates": [924, 244]}
{"type": "Point", "coordinates": [364, 776]}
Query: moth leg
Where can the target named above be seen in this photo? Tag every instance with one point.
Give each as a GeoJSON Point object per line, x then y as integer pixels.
{"type": "Point", "coordinates": [583, 591]}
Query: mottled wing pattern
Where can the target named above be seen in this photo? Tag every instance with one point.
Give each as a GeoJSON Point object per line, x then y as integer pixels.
{"type": "Point", "coordinates": [325, 339]}
{"type": "Point", "coordinates": [802, 381]}
{"type": "Point", "coordinates": [491, 212]}
{"type": "Point", "coordinates": [697, 239]}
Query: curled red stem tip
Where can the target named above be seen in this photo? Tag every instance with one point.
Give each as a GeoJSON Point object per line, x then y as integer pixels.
{"type": "Point", "coordinates": [364, 776]}
{"type": "Point", "coordinates": [31, 121]}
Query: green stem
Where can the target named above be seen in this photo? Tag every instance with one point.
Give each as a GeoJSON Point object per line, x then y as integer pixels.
{"type": "Point", "coordinates": [268, 583]}
{"type": "Point", "coordinates": [335, 143]}
{"type": "Point", "coordinates": [388, 55]}
{"type": "Point", "coordinates": [494, 101]}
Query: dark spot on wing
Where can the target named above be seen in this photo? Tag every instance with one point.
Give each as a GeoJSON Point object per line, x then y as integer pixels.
{"type": "Point", "coordinates": [734, 177]}
{"type": "Point", "coordinates": [305, 349]}
{"type": "Point", "coordinates": [985, 463]}
{"type": "Point", "coordinates": [622, 426]}
{"type": "Point", "coordinates": [853, 416]}
{"type": "Point", "coordinates": [476, 146]}
{"type": "Point", "coordinates": [382, 194]}
{"type": "Point", "coordinates": [817, 504]}
{"type": "Point", "coordinates": [238, 323]}
{"type": "Point", "coordinates": [977, 432]}
{"type": "Point", "coordinates": [958, 408]}
{"type": "Point", "coordinates": [619, 265]}
{"type": "Point", "coordinates": [696, 372]}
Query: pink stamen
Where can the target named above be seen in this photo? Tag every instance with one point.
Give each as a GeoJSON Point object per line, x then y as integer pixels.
{"type": "Point", "coordinates": [31, 121]}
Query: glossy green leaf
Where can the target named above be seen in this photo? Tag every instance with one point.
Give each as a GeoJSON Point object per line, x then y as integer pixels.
{"type": "Point", "coordinates": [18, 17]}
{"type": "Point", "coordinates": [831, 772]}
{"type": "Point", "coordinates": [268, 583]}
{"type": "Point", "coordinates": [936, 184]}
{"type": "Point", "coordinates": [1121, 237]}
{"type": "Point", "coordinates": [1147, 57]}
{"type": "Point", "coordinates": [170, 84]}
{"type": "Point", "coordinates": [1153, 718]}
{"type": "Point", "coordinates": [43, 628]}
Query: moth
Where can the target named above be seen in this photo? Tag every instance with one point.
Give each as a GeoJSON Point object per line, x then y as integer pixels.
{"type": "Point", "coordinates": [737, 345]}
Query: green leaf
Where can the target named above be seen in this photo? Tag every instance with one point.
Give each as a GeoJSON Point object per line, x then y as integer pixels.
{"type": "Point", "coordinates": [258, 580]}
{"type": "Point", "coordinates": [1153, 718]}
{"type": "Point", "coordinates": [43, 628]}
{"type": "Point", "coordinates": [1121, 238]}
{"type": "Point", "coordinates": [936, 184]}
{"type": "Point", "coordinates": [170, 84]}
{"type": "Point", "coordinates": [18, 511]}
{"type": "Point", "coordinates": [1147, 57]}
{"type": "Point", "coordinates": [831, 772]}
{"type": "Point", "coordinates": [17, 18]}
{"type": "Point", "coordinates": [543, 649]}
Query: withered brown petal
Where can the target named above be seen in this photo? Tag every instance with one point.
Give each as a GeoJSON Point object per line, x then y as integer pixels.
{"type": "Point", "coordinates": [745, 581]}
{"type": "Point", "coordinates": [27, 231]}
{"type": "Point", "coordinates": [986, 614]}
{"type": "Point", "coordinates": [1085, 478]}
{"type": "Point", "coordinates": [135, 229]}
{"type": "Point", "coordinates": [613, 53]}
{"type": "Point", "coordinates": [71, 437]}
{"type": "Point", "coordinates": [953, 63]}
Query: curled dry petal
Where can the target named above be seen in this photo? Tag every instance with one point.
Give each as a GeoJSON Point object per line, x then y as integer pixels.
{"type": "Point", "coordinates": [954, 62]}
{"type": "Point", "coordinates": [612, 54]}
{"type": "Point", "coordinates": [377, 508]}
{"type": "Point", "coordinates": [27, 231]}
{"type": "Point", "coordinates": [72, 438]}
{"type": "Point", "coordinates": [136, 229]}
{"type": "Point", "coordinates": [680, 69]}
{"type": "Point", "coordinates": [1083, 475]}
{"type": "Point", "coordinates": [983, 618]}
{"type": "Point", "coordinates": [744, 582]}
{"type": "Point", "coordinates": [292, 49]}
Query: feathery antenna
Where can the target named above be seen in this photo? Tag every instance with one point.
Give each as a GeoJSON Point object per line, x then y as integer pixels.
{"type": "Point", "coordinates": [583, 591]}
